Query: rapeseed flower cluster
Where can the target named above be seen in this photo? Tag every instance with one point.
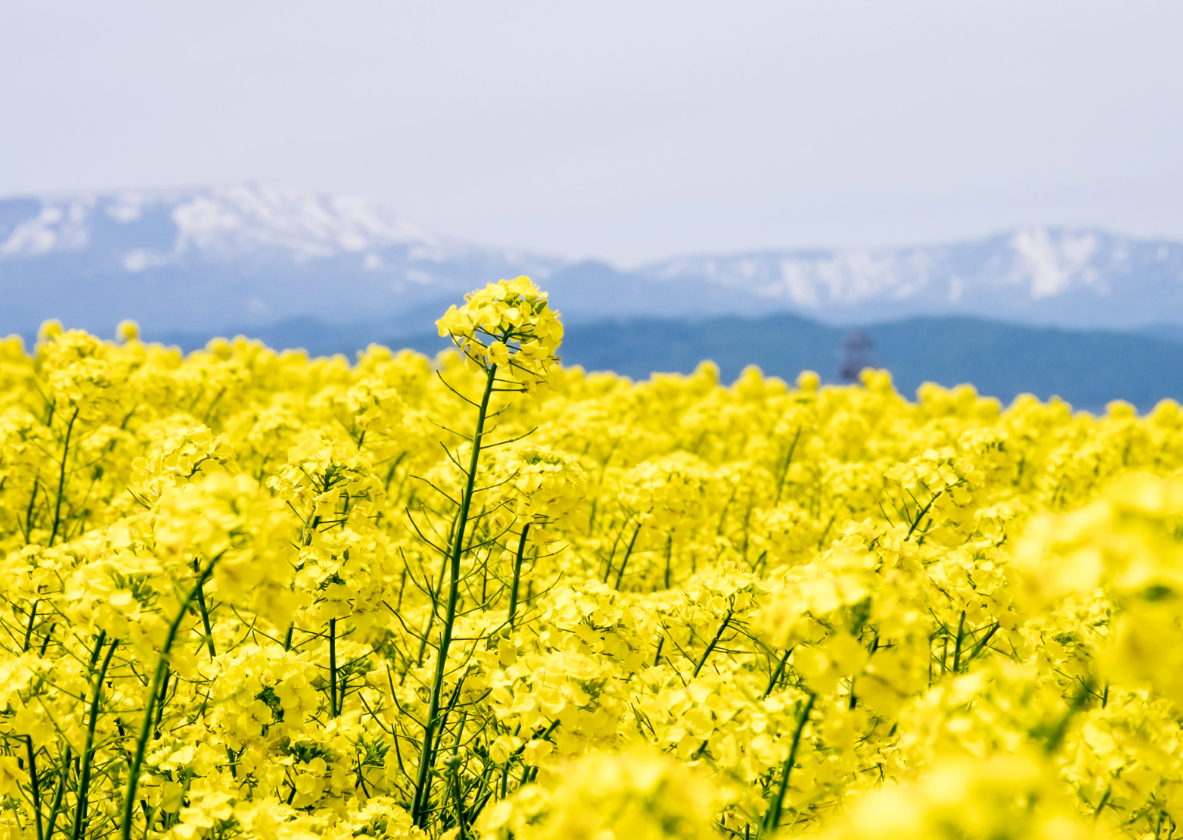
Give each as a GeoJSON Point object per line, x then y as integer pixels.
{"type": "Point", "coordinates": [248, 594]}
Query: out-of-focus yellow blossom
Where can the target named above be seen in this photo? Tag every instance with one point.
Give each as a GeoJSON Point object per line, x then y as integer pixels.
{"type": "Point", "coordinates": [639, 794]}
{"type": "Point", "coordinates": [1000, 798]}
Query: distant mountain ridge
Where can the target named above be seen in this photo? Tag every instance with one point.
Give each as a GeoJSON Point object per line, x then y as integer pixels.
{"type": "Point", "coordinates": [229, 256]}
{"type": "Point", "coordinates": [249, 257]}
{"type": "Point", "coordinates": [1054, 276]}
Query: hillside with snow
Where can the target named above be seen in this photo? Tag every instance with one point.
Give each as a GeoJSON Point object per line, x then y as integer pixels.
{"type": "Point", "coordinates": [1050, 276]}
{"type": "Point", "coordinates": [245, 258]}
{"type": "Point", "coordinates": [223, 258]}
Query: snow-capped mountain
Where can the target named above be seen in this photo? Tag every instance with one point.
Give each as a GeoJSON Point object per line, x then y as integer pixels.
{"type": "Point", "coordinates": [241, 258]}
{"type": "Point", "coordinates": [1055, 276]}
{"type": "Point", "coordinates": [222, 258]}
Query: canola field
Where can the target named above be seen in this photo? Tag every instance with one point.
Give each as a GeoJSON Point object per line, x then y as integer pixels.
{"type": "Point", "coordinates": [256, 595]}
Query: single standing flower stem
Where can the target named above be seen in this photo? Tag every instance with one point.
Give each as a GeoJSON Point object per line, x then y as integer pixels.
{"type": "Point", "coordinates": [419, 802]}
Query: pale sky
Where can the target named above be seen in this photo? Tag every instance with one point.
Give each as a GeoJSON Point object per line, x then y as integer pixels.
{"type": "Point", "coordinates": [627, 131]}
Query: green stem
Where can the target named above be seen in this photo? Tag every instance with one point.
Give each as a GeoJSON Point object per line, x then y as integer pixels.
{"type": "Point", "coordinates": [772, 818]}
{"type": "Point", "coordinates": [163, 695]}
{"type": "Point", "coordinates": [1101, 805]}
{"type": "Point", "coordinates": [784, 467]}
{"type": "Point", "coordinates": [29, 512]}
{"type": "Point", "coordinates": [957, 646]}
{"type": "Point", "coordinates": [64, 775]}
{"type": "Point", "coordinates": [517, 575]}
{"type": "Point", "coordinates": [627, 553]}
{"type": "Point", "coordinates": [923, 513]}
{"type": "Point", "coordinates": [56, 808]}
{"type": "Point", "coordinates": [137, 758]}
{"type": "Point", "coordinates": [333, 667]}
{"type": "Point", "coordinates": [421, 796]}
{"type": "Point", "coordinates": [45, 641]}
{"type": "Point", "coordinates": [57, 510]}
{"type": "Point", "coordinates": [458, 794]}
{"type": "Point", "coordinates": [710, 648]}
{"type": "Point", "coordinates": [88, 748]}
{"type": "Point", "coordinates": [205, 623]}
{"type": "Point", "coordinates": [985, 640]}
{"type": "Point", "coordinates": [778, 673]}
{"type": "Point", "coordinates": [32, 621]}
{"type": "Point", "coordinates": [1056, 736]}
{"type": "Point", "coordinates": [34, 783]}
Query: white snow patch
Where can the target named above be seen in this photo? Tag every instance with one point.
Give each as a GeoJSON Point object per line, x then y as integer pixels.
{"type": "Point", "coordinates": [858, 275]}
{"type": "Point", "coordinates": [306, 225]}
{"type": "Point", "coordinates": [202, 222]}
{"type": "Point", "coordinates": [35, 236]}
{"type": "Point", "coordinates": [913, 278]}
{"type": "Point", "coordinates": [798, 284]}
{"type": "Point", "coordinates": [55, 228]}
{"type": "Point", "coordinates": [1050, 266]}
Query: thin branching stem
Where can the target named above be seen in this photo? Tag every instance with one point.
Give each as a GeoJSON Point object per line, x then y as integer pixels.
{"type": "Point", "coordinates": [772, 816]}
{"type": "Point", "coordinates": [88, 751]}
{"type": "Point", "coordinates": [34, 785]}
{"type": "Point", "coordinates": [421, 797]}
{"type": "Point", "coordinates": [334, 709]}
{"type": "Point", "coordinates": [517, 575]}
{"type": "Point", "coordinates": [57, 509]}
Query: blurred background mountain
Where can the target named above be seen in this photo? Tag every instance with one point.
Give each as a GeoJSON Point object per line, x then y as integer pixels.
{"type": "Point", "coordinates": [1080, 313]}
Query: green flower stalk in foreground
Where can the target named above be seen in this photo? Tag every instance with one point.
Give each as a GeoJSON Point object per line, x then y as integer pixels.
{"type": "Point", "coordinates": [509, 332]}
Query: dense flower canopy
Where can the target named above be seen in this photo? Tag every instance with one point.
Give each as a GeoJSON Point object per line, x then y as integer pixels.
{"type": "Point", "coordinates": [252, 594]}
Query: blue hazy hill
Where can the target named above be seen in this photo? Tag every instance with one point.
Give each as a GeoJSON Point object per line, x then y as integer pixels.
{"type": "Point", "coordinates": [1088, 368]}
